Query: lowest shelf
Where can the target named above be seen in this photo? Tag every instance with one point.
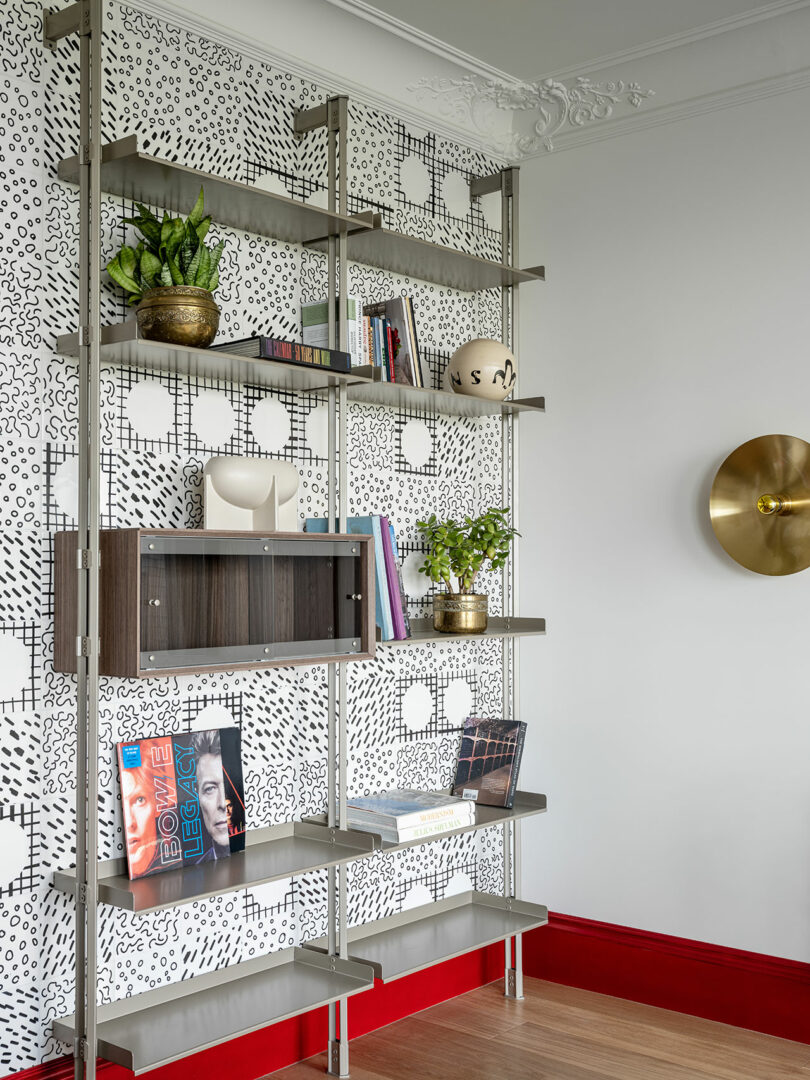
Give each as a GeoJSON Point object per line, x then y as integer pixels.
{"type": "Point", "coordinates": [423, 936]}
{"type": "Point", "coordinates": [121, 344]}
{"type": "Point", "coordinates": [160, 1026]}
{"type": "Point", "coordinates": [280, 851]}
{"type": "Point", "coordinates": [127, 171]}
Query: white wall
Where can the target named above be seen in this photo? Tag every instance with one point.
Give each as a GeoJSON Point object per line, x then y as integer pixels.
{"type": "Point", "coordinates": [668, 706]}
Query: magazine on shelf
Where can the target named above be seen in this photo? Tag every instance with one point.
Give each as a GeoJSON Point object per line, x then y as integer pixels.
{"type": "Point", "coordinates": [183, 799]}
{"type": "Point", "coordinates": [489, 761]}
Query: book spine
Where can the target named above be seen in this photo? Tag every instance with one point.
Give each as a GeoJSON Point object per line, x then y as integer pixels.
{"type": "Point", "coordinates": [415, 832]}
{"type": "Point", "coordinates": [394, 599]}
{"type": "Point", "coordinates": [513, 776]}
{"type": "Point", "coordinates": [417, 359]}
{"type": "Point", "coordinates": [403, 596]}
{"type": "Point", "coordinates": [389, 348]}
{"type": "Point", "coordinates": [461, 812]}
{"type": "Point", "coordinates": [386, 624]}
{"type": "Point", "coordinates": [295, 353]}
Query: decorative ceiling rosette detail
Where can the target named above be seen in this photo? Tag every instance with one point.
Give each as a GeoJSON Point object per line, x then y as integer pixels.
{"type": "Point", "coordinates": [481, 102]}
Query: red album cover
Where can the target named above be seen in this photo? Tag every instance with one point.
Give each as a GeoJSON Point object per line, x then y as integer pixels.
{"type": "Point", "coordinates": [183, 799]}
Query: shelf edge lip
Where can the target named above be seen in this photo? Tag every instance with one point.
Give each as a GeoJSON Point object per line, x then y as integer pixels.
{"type": "Point", "coordinates": [349, 845]}
{"type": "Point", "coordinates": [436, 637]}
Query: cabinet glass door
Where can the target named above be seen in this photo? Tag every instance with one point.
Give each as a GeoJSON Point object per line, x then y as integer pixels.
{"type": "Point", "coordinates": [222, 600]}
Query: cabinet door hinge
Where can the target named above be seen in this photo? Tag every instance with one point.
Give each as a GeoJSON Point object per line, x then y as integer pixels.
{"type": "Point", "coordinates": [84, 646]}
{"type": "Point", "coordinates": [84, 559]}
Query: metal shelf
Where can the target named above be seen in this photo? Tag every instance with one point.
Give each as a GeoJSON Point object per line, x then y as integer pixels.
{"type": "Point", "coordinates": [280, 851]}
{"type": "Point", "coordinates": [127, 171]}
{"type": "Point", "coordinates": [121, 344]}
{"type": "Point", "coordinates": [421, 259]}
{"type": "Point", "coordinates": [133, 174]}
{"type": "Point", "coordinates": [164, 1025]}
{"type": "Point", "coordinates": [424, 936]}
{"type": "Point", "coordinates": [422, 631]}
{"type": "Point", "coordinates": [526, 804]}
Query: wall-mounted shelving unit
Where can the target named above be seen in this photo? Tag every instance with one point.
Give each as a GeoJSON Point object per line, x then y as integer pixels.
{"type": "Point", "coordinates": [159, 1026]}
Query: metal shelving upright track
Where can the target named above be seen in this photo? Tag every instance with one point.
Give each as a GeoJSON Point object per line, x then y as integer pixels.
{"type": "Point", "coordinates": [84, 18]}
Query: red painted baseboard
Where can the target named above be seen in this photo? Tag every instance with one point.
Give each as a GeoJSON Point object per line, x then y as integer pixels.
{"type": "Point", "coordinates": [748, 990]}
{"type": "Point", "coordinates": [253, 1056]}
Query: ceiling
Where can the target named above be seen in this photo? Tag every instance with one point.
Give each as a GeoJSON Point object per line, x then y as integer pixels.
{"type": "Point", "coordinates": [529, 40]}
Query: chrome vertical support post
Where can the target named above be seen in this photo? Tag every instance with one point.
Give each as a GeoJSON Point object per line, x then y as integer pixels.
{"type": "Point", "coordinates": [336, 124]}
{"type": "Point", "coordinates": [513, 947]}
{"type": "Point", "coordinates": [88, 25]}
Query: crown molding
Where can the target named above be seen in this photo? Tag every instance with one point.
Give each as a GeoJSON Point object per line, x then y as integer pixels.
{"type": "Point", "coordinates": [675, 41]}
{"type": "Point", "coordinates": [329, 81]}
{"type": "Point", "coordinates": [423, 40]}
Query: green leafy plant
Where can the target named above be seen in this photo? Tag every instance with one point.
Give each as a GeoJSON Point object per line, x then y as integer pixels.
{"type": "Point", "coordinates": [171, 252]}
{"type": "Point", "coordinates": [460, 549]}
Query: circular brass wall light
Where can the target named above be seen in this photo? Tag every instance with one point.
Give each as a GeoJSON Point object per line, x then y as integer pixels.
{"type": "Point", "coordinates": [760, 504]}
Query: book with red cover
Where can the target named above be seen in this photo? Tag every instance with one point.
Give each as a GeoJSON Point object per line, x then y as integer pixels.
{"type": "Point", "coordinates": [183, 799]}
{"type": "Point", "coordinates": [489, 761]}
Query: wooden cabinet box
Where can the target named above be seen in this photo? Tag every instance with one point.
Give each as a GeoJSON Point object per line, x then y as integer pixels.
{"type": "Point", "coordinates": [176, 601]}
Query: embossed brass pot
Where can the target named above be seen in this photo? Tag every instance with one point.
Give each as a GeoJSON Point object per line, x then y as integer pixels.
{"type": "Point", "coordinates": [460, 613]}
{"type": "Point", "coordinates": [179, 315]}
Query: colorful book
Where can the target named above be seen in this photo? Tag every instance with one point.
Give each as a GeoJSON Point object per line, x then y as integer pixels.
{"type": "Point", "coordinates": [361, 526]}
{"type": "Point", "coordinates": [387, 629]}
{"type": "Point", "coordinates": [315, 326]}
{"type": "Point", "coordinates": [394, 598]}
{"type": "Point", "coordinates": [403, 596]}
{"type": "Point", "coordinates": [261, 347]}
{"type": "Point", "coordinates": [183, 799]}
{"type": "Point", "coordinates": [489, 761]}
{"type": "Point", "coordinates": [404, 364]}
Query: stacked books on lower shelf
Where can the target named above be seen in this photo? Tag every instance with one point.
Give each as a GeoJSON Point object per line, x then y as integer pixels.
{"type": "Point", "coordinates": [405, 815]}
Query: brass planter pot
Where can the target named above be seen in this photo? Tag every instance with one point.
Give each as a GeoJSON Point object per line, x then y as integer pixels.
{"type": "Point", "coordinates": [460, 613]}
{"type": "Point", "coordinates": [179, 315]}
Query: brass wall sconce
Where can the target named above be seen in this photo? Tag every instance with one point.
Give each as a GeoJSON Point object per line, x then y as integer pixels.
{"type": "Point", "coordinates": [760, 504]}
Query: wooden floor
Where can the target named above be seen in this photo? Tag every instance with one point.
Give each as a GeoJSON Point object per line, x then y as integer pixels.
{"type": "Point", "coordinates": [558, 1033]}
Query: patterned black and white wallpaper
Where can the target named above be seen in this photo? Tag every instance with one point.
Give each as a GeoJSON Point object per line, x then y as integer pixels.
{"type": "Point", "coordinates": [192, 100]}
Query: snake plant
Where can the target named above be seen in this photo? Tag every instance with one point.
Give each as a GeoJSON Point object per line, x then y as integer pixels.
{"type": "Point", "coordinates": [171, 252]}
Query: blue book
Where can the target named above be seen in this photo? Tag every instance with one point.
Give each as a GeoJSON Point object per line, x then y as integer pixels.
{"type": "Point", "coordinates": [365, 526]}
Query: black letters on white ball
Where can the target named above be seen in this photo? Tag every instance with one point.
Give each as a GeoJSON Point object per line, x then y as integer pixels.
{"type": "Point", "coordinates": [482, 368]}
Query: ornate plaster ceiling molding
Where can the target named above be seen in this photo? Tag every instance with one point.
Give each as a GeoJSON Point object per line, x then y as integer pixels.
{"type": "Point", "coordinates": [540, 110]}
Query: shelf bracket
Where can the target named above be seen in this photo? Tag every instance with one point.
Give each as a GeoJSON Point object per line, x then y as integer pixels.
{"type": "Point", "coordinates": [80, 1048]}
{"type": "Point", "coordinates": [514, 984]}
{"type": "Point", "coordinates": [503, 181]}
{"type": "Point", "coordinates": [59, 22]}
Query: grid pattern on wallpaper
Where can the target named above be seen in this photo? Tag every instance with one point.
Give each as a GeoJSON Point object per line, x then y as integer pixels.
{"type": "Point", "coordinates": [194, 101]}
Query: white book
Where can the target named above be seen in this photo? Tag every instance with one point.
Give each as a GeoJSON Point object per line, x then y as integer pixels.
{"type": "Point", "coordinates": [315, 326]}
{"type": "Point", "coordinates": [402, 809]}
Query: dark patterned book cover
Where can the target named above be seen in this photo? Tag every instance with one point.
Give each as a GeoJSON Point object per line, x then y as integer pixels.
{"type": "Point", "coordinates": [489, 761]}
{"type": "Point", "coordinates": [183, 799]}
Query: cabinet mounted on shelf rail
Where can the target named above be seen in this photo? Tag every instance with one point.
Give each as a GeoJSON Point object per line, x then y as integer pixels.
{"type": "Point", "coordinates": [179, 601]}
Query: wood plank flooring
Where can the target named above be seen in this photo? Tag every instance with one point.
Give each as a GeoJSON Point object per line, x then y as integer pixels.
{"type": "Point", "coordinates": [559, 1033]}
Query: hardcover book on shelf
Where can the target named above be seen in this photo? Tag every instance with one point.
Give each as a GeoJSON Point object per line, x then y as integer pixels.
{"type": "Point", "coordinates": [489, 761]}
{"type": "Point", "coordinates": [183, 799]}
{"type": "Point", "coordinates": [261, 347]}
{"type": "Point", "coordinates": [408, 814]}
{"type": "Point", "coordinates": [315, 326]}
{"type": "Point", "coordinates": [404, 365]}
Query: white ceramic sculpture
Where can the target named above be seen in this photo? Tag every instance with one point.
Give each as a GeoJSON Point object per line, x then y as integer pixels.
{"type": "Point", "coordinates": [483, 368]}
{"type": "Point", "coordinates": [251, 494]}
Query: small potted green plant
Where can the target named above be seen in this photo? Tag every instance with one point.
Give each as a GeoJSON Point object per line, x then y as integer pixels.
{"type": "Point", "coordinates": [460, 550]}
{"type": "Point", "coordinates": [171, 276]}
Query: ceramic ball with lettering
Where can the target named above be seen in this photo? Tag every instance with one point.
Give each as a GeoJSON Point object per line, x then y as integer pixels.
{"type": "Point", "coordinates": [482, 368]}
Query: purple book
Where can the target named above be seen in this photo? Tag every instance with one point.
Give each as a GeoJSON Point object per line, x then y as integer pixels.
{"type": "Point", "coordinates": [400, 633]}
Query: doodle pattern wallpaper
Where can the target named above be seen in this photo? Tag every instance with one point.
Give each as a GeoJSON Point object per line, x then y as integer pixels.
{"type": "Point", "coordinates": [191, 100]}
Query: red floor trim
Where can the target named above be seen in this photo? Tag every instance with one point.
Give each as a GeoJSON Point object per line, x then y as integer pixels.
{"type": "Point", "coordinates": [253, 1056]}
{"type": "Point", "coordinates": [748, 990]}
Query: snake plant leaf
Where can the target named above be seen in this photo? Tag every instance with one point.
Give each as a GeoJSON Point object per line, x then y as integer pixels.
{"type": "Point", "coordinates": [116, 272]}
{"type": "Point", "coordinates": [128, 260]}
{"type": "Point", "coordinates": [196, 215]}
{"type": "Point", "coordinates": [146, 212]}
{"type": "Point", "coordinates": [212, 284]}
{"type": "Point", "coordinates": [149, 229]}
{"type": "Point", "coordinates": [135, 299]}
{"type": "Point", "coordinates": [188, 247]}
{"type": "Point", "coordinates": [215, 254]}
{"type": "Point", "coordinates": [172, 232]}
{"type": "Point", "coordinates": [150, 269]}
{"type": "Point", "coordinates": [203, 275]}
{"type": "Point", "coordinates": [203, 228]}
{"type": "Point", "coordinates": [194, 265]}
{"type": "Point", "coordinates": [165, 275]}
{"type": "Point", "coordinates": [175, 271]}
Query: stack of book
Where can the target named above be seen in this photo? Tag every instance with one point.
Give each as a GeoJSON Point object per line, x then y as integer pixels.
{"type": "Point", "coordinates": [391, 602]}
{"type": "Point", "coordinates": [315, 327]}
{"type": "Point", "coordinates": [262, 347]}
{"type": "Point", "coordinates": [389, 337]}
{"type": "Point", "coordinates": [402, 816]}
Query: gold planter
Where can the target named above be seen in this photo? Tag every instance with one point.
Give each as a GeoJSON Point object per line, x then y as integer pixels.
{"type": "Point", "coordinates": [179, 315]}
{"type": "Point", "coordinates": [460, 613]}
